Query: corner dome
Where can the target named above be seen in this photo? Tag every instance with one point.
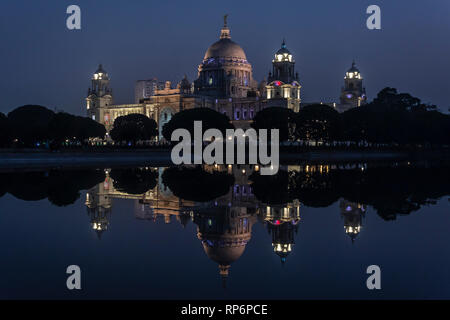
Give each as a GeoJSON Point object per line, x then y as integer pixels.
{"type": "Point", "coordinates": [283, 49]}
{"type": "Point", "coordinates": [353, 68]}
{"type": "Point", "coordinates": [225, 48]}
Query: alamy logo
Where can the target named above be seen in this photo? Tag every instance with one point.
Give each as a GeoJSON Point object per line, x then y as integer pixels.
{"type": "Point", "coordinates": [374, 280]}
{"type": "Point", "coordinates": [74, 280]}
{"type": "Point", "coordinates": [213, 153]}
{"type": "Point", "coordinates": [73, 22]}
{"type": "Point", "coordinates": [374, 20]}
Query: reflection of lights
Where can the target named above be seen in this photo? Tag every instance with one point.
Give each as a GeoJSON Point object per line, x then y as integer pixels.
{"type": "Point", "coordinates": [285, 248]}
{"type": "Point", "coordinates": [348, 208]}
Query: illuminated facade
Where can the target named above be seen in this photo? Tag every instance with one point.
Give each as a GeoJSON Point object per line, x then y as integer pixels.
{"type": "Point", "coordinates": [224, 83]}
{"type": "Point", "coordinates": [283, 89]}
{"type": "Point", "coordinates": [353, 94]}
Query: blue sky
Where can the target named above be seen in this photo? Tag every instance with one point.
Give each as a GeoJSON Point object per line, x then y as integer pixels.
{"type": "Point", "coordinates": [42, 62]}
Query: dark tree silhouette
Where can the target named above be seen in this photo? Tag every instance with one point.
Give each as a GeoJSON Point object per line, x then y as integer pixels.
{"type": "Point", "coordinates": [279, 118]}
{"type": "Point", "coordinates": [64, 126]}
{"type": "Point", "coordinates": [134, 127]}
{"type": "Point", "coordinates": [397, 118]}
{"type": "Point", "coordinates": [5, 131]}
{"type": "Point", "coordinates": [185, 120]}
{"type": "Point", "coordinates": [318, 122]}
{"type": "Point", "coordinates": [30, 124]}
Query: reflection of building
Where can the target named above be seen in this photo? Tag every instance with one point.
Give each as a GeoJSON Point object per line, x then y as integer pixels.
{"type": "Point", "coordinates": [353, 214]}
{"type": "Point", "coordinates": [224, 232]}
{"type": "Point", "coordinates": [158, 202]}
{"type": "Point", "coordinates": [282, 223]}
{"type": "Point", "coordinates": [99, 207]}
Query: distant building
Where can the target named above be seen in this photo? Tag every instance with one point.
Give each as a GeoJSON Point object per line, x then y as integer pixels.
{"type": "Point", "coordinates": [353, 94]}
{"type": "Point", "coordinates": [144, 89]}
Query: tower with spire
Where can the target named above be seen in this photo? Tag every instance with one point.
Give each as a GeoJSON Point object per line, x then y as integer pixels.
{"type": "Point", "coordinates": [99, 97]}
{"type": "Point", "coordinates": [283, 88]}
{"type": "Point", "coordinates": [353, 93]}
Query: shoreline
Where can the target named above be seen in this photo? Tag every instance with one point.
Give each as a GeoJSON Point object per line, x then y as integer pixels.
{"type": "Point", "coordinates": [161, 157]}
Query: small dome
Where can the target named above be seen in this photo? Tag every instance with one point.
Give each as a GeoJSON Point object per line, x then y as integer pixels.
{"type": "Point", "coordinates": [100, 74]}
{"type": "Point", "coordinates": [283, 49]}
{"type": "Point", "coordinates": [353, 68]}
{"type": "Point", "coordinates": [225, 48]}
{"type": "Point", "coordinates": [100, 69]}
{"type": "Point", "coordinates": [185, 84]}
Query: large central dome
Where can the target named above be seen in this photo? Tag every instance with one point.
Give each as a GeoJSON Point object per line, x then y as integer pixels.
{"type": "Point", "coordinates": [224, 71]}
{"type": "Point", "coordinates": [225, 48]}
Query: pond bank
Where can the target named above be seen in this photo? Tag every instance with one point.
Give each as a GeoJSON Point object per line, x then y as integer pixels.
{"type": "Point", "coordinates": [161, 157]}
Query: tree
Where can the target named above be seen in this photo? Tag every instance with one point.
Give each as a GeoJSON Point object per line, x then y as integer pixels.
{"type": "Point", "coordinates": [134, 127]}
{"type": "Point", "coordinates": [210, 119]}
{"type": "Point", "coordinates": [85, 128]}
{"type": "Point", "coordinates": [30, 123]}
{"type": "Point", "coordinates": [396, 118]}
{"type": "Point", "coordinates": [5, 131]}
{"type": "Point", "coordinates": [318, 122]}
{"type": "Point", "coordinates": [279, 118]}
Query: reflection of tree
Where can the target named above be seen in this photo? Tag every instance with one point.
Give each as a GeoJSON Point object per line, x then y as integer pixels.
{"type": "Point", "coordinates": [389, 190]}
{"type": "Point", "coordinates": [3, 187]}
{"type": "Point", "coordinates": [195, 184]}
{"type": "Point", "coordinates": [392, 191]}
{"type": "Point", "coordinates": [29, 186]}
{"type": "Point", "coordinates": [134, 180]}
{"type": "Point", "coordinates": [271, 189]}
{"type": "Point", "coordinates": [315, 189]}
{"type": "Point", "coordinates": [60, 187]}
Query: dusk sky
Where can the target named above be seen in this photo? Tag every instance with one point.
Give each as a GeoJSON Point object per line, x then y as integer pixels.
{"type": "Point", "coordinates": [42, 62]}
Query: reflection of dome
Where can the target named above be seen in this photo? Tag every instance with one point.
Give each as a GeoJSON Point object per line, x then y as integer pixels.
{"type": "Point", "coordinates": [225, 48]}
{"type": "Point", "coordinates": [223, 255]}
{"type": "Point", "coordinates": [224, 232]}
